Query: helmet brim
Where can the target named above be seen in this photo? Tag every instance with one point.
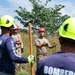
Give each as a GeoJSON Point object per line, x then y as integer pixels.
{"type": "Point", "coordinates": [5, 25]}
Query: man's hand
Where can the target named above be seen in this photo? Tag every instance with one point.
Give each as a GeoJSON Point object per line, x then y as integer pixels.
{"type": "Point", "coordinates": [31, 59]}
{"type": "Point", "coordinates": [54, 44]}
{"type": "Point", "coordinates": [18, 42]}
{"type": "Point", "coordinates": [45, 44]}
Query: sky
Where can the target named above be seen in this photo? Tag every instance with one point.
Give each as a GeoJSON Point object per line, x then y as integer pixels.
{"type": "Point", "coordinates": [7, 7]}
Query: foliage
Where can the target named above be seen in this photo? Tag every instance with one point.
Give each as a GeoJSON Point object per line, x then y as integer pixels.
{"type": "Point", "coordinates": [41, 16]}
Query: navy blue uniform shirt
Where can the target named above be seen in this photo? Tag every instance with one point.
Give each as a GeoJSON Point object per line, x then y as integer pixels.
{"type": "Point", "coordinates": [8, 55]}
{"type": "Point", "coordinates": [57, 64]}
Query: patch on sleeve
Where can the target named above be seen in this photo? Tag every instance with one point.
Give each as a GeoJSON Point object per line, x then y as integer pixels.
{"type": "Point", "coordinates": [0, 42]}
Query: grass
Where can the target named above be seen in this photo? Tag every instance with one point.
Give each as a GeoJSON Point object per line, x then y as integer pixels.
{"type": "Point", "coordinates": [25, 37]}
{"type": "Point", "coordinates": [23, 72]}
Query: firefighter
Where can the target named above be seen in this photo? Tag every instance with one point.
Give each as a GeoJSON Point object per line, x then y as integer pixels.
{"type": "Point", "coordinates": [19, 45]}
{"type": "Point", "coordinates": [18, 39]}
{"type": "Point", "coordinates": [41, 43]}
{"type": "Point", "coordinates": [63, 62]}
{"type": "Point", "coordinates": [8, 56]}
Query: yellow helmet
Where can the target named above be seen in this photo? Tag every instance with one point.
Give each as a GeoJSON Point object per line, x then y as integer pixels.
{"type": "Point", "coordinates": [67, 29]}
{"type": "Point", "coordinates": [6, 21]}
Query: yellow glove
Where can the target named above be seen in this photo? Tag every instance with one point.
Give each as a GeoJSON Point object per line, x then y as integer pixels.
{"type": "Point", "coordinates": [31, 59]}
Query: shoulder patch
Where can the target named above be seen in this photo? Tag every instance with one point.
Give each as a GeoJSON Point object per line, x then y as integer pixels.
{"type": "Point", "coordinates": [0, 42]}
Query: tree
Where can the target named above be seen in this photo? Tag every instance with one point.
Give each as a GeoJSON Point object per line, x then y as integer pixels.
{"type": "Point", "coordinates": [49, 18]}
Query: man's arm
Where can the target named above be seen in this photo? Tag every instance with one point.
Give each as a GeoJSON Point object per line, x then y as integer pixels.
{"type": "Point", "coordinates": [39, 45]}
{"type": "Point", "coordinates": [47, 44]}
{"type": "Point", "coordinates": [11, 49]}
{"type": "Point", "coordinates": [52, 46]}
{"type": "Point", "coordinates": [22, 50]}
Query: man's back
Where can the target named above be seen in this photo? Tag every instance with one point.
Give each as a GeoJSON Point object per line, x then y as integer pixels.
{"type": "Point", "coordinates": [6, 63]}
{"type": "Point", "coordinates": [57, 64]}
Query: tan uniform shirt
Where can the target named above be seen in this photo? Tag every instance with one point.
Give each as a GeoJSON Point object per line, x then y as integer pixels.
{"type": "Point", "coordinates": [16, 37]}
{"type": "Point", "coordinates": [42, 50]}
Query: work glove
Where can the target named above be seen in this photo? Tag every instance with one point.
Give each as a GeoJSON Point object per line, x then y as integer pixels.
{"type": "Point", "coordinates": [31, 59]}
{"type": "Point", "coordinates": [22, 50]}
